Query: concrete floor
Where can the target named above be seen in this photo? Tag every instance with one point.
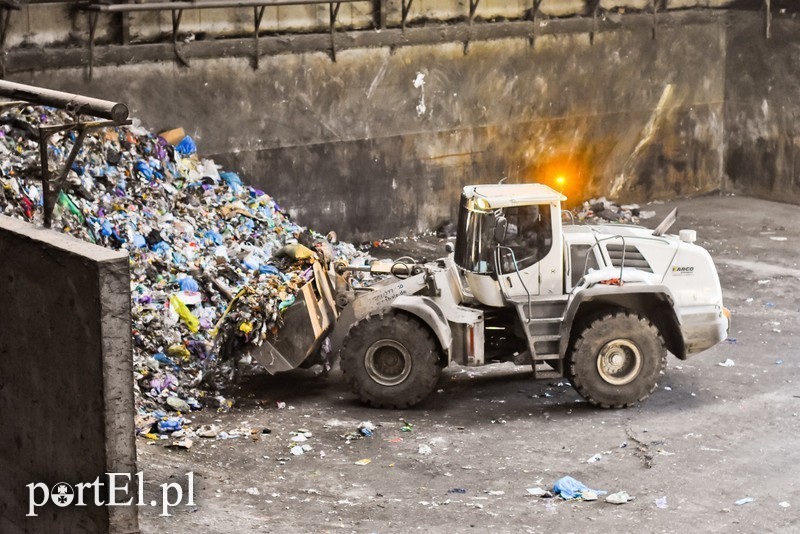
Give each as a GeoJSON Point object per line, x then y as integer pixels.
{"type": "Point", "coordinates": [712, 434]}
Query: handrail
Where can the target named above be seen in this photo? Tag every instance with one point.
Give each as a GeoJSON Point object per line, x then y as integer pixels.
{"type": "Point", "coordinates": [204, 4]}
{"type": "Point", "coordinates": [259, 6]}
{"type": "Point", "coordinates": [498, 265]}
{"type": "Point", "coordinates": [597, 244]}
{"type": "Point", "coordinates": [115, 113]}
{"type": "Point", "coordinates": [77, 104]}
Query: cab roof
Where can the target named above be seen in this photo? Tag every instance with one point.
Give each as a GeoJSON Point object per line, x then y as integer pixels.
{"type": "Point", "coordinates": [505, 195]}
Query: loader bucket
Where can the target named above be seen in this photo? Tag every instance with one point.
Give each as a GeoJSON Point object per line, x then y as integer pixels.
{"type": "Point", "coordinates": [305, 325]}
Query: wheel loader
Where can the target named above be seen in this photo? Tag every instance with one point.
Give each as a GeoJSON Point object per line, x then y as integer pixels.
{"type": "Point", "coordinates": [600, 305]}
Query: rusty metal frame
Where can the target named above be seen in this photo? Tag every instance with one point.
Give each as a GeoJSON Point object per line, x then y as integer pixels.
{"type": "Point", "coordinates": [768, 18]}
{"type": "Point", "coordinates": [177, 15]}
{"type": "Point", "coordinates": [592, 11]}
{"type": "Point", "coordinates": [93, 16]}
{"type": "Point", "coordinates": [533, 16]}
{"type": "Point", "coordinates": [594, 6]}
{"type": "Point", "coordinates": [258, 14]}
{"type": "Point", "coordinates": [405, 10]}
{"type": "Point", "coordinates": [382, 15]}
{"type": "Point", "coordinates": [473, 7]}
{"type": "Point", "coordinates": [104, 113]}
{"type": "Point", "coordinates": [52, 187]}
{"type": "Point", "coordinates": [656, 5]}
{"type": "Point", "coordinates": [177, 7]}
{"type": "Point", "coordinates": [333, 12]}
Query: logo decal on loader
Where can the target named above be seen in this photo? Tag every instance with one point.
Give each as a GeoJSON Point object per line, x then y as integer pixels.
{"type": "Point", "coordinates": [683, 270]}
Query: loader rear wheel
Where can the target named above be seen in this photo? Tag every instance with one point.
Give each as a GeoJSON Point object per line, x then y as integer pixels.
{"type": "Point", "coordinates": [617, 359]}
{"type": "Point", "coordinates": [391, 360]}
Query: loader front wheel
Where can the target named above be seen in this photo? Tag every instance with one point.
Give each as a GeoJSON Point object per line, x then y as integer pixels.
{"type": "Point", "coordinates": [617, 359]}
{"type": "Point", "coordinates": [391, 360]}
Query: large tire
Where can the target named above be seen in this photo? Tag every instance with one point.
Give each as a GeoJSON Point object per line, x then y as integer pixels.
{"type": "Point", "coordinates": [617, 359]}
{"type": "Point", "coordinates": [391, 360]}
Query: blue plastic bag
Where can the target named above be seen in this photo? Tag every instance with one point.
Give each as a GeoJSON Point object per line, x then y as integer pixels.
{"type": "Point", "coordinates": [145, 170]}
{"type": "Point", "coordinates": [214, 236]}
{"type": "Point", "coordinates": [569, 488]}
{"type": "Point", "coordinates": [160, 357]}
{"type": "Point", "coordinates": [188, 284]}
{"type": "Point", "coordinates": [233, 180]}
{"type": "Point", "coordinates": [172, 424]}
{"type": "Point", "coordinates": [268, 269]}
{"type": "Point", "coordinates": [106, 228]}
{"type": "Point", "coordinates": [186, 146]}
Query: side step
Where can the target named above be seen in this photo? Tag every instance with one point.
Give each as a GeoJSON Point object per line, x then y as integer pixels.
{"type": "Point", "coordinates": [542, 331]}
{"type": "Point", "coordinates": [544, 370]}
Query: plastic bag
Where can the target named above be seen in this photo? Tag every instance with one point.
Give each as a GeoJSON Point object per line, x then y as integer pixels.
{"type": "Point", "coordinates": [192, 322]}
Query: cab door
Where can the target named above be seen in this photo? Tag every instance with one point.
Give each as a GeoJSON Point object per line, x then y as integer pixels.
{"type": "Point", "coordinates": [530, 257]}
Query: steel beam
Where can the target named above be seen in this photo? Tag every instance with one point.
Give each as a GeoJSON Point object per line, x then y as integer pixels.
{"type": "Point", "coordinates": [75, 104]}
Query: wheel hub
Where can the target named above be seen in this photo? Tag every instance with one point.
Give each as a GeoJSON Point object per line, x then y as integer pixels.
{"type": "Point", "coordinates": [387, 362]}
{"type": "Point", "coordinates": [619, 362]}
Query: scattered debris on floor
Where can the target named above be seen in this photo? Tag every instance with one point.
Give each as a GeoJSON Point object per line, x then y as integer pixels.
{"type": "Point", "coordinates": [539, 492]}
{"type": "Point", "coordinates": [621, 497]}
{"type": "Point", "coordinates": [601, 210]}
{"type": "Point", "coordinates": [366, 429]}
{"type": "Point", "coordinates": [569, 488]}
{"type": "Point", "coordinates": [643, 449]}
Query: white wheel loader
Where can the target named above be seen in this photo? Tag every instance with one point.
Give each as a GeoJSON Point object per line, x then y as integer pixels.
{"type": "Point", "coordinates": [598, 304]}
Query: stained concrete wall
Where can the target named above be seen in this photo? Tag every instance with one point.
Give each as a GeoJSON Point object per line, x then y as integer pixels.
{"type": "Point", "coordinates": [66, 386]}
{"type": "Point", "coordinates": [762, 112]}
{"type": "Point", "coordinates": [48, 22]}
{"type": "Point", "coordinates": [382, 140]}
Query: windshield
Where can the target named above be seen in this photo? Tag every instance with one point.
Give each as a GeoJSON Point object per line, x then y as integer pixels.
{"type": "Point", "coordinates": [528, 238]}
{"type": "Point", "coordinates": [474, 245]}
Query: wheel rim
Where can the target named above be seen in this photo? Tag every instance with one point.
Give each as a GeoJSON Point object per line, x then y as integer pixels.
{"type": "Point", "coordinates": [387, 362]}
{"type": "Point", "coordinates": [619, 362]}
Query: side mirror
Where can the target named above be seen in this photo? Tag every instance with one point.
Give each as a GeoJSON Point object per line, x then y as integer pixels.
{"type": "Point", "coordinates": [500, 227]}
{"type": "Point", "coordinates": [449, 248]}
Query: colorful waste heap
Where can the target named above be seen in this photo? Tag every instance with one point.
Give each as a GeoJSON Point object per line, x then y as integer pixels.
{"type": "Point", "coordinates": [209, 262]}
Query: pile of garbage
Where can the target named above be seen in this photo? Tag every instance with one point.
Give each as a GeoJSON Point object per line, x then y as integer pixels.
{"type": "Point", "coordinates": [601, 210]}
{"type": "Point", "coordinates": [213, 261]}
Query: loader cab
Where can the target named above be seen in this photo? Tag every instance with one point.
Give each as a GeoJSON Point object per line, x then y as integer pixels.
{"type": "Point", "coordinates": [509, 243]}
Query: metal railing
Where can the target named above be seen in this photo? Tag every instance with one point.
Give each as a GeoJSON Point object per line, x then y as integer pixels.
{"type": "Point", "coordinates": [177, 9]}
{"type": "Point", "coordinates": [531, 15]}
{"type": "Point", "coordinates": [112, 113]}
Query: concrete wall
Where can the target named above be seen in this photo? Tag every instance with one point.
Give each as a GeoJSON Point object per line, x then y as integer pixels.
{"type": "Point", "coordinates": [66, 395]}
{"type": "Point", "coordinates": [762, 112]}
{"type": "Point", "coordinates": [47, 22]}
{"type": "Point", "coordinates": [381, 140]}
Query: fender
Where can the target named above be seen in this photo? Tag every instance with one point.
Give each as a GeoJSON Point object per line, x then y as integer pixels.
{"type": "Point", "coordinates": [629, 296]}
{"type": "Point", "coordinates": [431, 314]}
{"type": "Point", "coordinates": [371, 302]}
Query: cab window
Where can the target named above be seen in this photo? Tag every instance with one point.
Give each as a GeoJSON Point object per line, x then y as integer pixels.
{"type": "Point", "coordinates": [529, 236]}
